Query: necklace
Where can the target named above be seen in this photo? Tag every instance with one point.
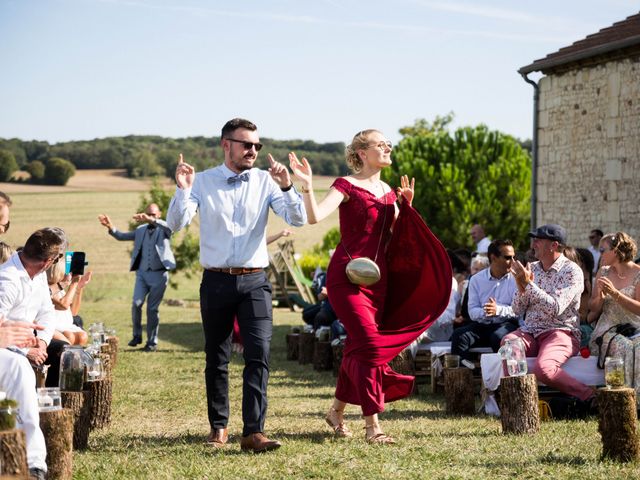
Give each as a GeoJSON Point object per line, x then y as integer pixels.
{"type": "Point", "coordinates": [621, 277]}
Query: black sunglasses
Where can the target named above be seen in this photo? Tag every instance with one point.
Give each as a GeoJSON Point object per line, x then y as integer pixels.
{"type": "Point", "coordinates": [5, 226]}
{"type": "Point", "coordinates": [247, 145]}
{"type": "Point", "coordinates": [60, 255]}
{"type": "Point", "coordinates": [508, 257]}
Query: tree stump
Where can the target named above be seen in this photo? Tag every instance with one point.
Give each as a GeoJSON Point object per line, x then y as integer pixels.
{"type": "Point", "coordinates": [458, 391]}
{"type": "Point", "coordinates": [322, 356]}
{"type": "Point", "coordinates": [57, 427]}
{"type": "Point", "coordinates": [337, 358]}
{"type": "Point", "coordinates": [403, 363]}
{"type": "Point", "coordinates": [107, 364]}
{"type": "Point", "coordinates": [305, 347]}
{"type": "Point", "coordinates": [100, 393]}
{"type": "Point", "coordinates": [519, 404]}
{"type": "Point", "coordinates": [80, 404]}
{"type": "Point", "coordinates": [114, 345]}
{"type": "Point", "coordinates": [13, 453]}
{"type": "Point", "coordinates": [292, 346]}
{"type": "Point", "coordinates": [618, 424]}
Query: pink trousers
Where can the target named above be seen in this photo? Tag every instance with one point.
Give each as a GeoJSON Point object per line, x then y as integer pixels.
{"type": "Point", "coordinates": [553, 349]}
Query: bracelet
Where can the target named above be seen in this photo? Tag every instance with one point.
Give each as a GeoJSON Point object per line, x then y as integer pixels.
{"type": "Point", "coordinates": [286, 189]}
{"type": "Point", "coordinates": [304, 189]}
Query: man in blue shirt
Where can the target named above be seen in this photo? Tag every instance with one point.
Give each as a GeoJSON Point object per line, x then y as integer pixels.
{"type": "Point", "coordinates": [491, 293]}
{"type": "Point", "coordinates": [233, 200]}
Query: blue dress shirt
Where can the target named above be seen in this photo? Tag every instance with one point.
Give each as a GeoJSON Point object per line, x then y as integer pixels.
{"type": "Point", "coordinates": [483, 286]}
{"type": "Point", "coordinates": [233, 215]}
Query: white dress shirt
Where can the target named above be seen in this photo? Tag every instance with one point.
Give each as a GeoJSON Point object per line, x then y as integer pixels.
{"type": "Point", "coordinates": [25, 299]}
{"type": "Point", "coordinates": [483, 245]}
{"type": "Point", "coordinates": [233, 216]}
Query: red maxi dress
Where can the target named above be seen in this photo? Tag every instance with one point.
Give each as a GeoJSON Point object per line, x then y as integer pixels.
{"type": "Point", "coordinates": [383, 319]}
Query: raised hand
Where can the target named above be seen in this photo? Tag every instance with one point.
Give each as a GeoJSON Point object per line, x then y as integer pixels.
{"type": "Point", "coordinates": [144, 218]}
{"type": "Point", "coordinates": [523, 274]}
{"type": "Point", "coordinates": [605, 287]}
{"type": "Point", "coordinates": [406, 190]}
{"type": "Point", "coordinates": [279, 173]}
{"type": "Point", "coordinates": [185, 174]}
{"type": "Point", "coordinates": [86, 278]}
{"type": "Point", "coordinates": [105, 220]}
{"type": "Point", "coordinates": [301, 169]}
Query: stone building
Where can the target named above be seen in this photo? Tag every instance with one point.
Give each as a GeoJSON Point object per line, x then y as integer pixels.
{"type": "Point", "coordinates": [587, 134]}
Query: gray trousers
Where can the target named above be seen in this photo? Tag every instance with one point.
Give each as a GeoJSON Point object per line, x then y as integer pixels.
{"type": "Point", "coordinates": [150, 285]}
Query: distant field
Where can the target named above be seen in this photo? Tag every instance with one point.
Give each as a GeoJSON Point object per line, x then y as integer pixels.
{"type": "Point", "coordinates": [75, 208]}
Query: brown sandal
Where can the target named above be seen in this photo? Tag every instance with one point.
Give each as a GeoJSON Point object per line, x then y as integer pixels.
{"type": "Point", "coordinates": [339, 429]}
{"type": "Point", "coordinates": [378, 438]}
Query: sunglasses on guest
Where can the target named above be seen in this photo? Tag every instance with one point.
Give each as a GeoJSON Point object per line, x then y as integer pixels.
{"type": "Point", "coordinates": [247, 145]}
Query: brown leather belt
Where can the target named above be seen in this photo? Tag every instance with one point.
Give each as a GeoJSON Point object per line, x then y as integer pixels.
{"type": "Point", "coordinates": [236, 270]}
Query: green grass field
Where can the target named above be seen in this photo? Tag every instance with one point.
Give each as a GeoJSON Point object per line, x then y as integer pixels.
{"type": "Point", "coordinates": [159, 417]}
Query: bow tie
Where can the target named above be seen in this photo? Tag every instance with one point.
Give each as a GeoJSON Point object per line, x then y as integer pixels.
{"type": "Point", "coordinates": [243, 177]}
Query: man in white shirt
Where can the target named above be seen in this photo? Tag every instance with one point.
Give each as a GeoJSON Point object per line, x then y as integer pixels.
{"type": "Point", "coordinates": [480, 238]}
{"type": "Point", "coordinates": [233, 201]}
{"type": "Point", "coordinates": [24, 297]}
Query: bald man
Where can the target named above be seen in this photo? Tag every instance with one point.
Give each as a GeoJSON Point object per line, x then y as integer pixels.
{"type": "Point", "coordinates": [151, 259]}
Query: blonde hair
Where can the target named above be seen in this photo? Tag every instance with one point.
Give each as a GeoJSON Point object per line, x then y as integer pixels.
{"type": "Point", "coordinates": [5, 252]}
{"type": "Point", "coordinates": [622, 245]}
{"type": "Point", "coordinates": [55, 273]}
{"type": "Point", "coordinates": [360, 142]}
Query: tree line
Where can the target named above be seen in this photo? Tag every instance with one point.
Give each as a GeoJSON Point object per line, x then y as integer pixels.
{"type": "Point", "coordinates": [146, 155]}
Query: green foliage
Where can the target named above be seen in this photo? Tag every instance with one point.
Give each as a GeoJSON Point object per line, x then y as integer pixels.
{"type": "Point", "coordinates": [144, 165]}
{"type": "Point", "coordinates": [473, 175]}
{"type": "Point", "coordinates": [58, 171]}
{"type": "Point", "coordinates": [146, 155]}
{"type": "Point", "coordinates": [36, 169]}
{"type": "Point", "coordinates": [185, 245]}
{"type": "Point", "coordinates": [8, 165]}
{"type": "Point", "coordinates": [319, 254]}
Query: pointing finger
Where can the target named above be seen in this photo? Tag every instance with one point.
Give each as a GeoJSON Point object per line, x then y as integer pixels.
{"type": "Point", "coordinates": [271, 160]}
{"type": "Point", "coordinates": [181, 160]}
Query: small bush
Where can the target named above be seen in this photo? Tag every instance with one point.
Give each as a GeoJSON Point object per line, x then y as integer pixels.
{"type": "Point", "coordinates": [58, 171]}
{"type": "Point", "coordinates": [36, 169]}
{"type": "Point", "coordinates": [8, 165]}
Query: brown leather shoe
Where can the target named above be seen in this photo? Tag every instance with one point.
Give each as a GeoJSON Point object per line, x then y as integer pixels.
{"type": "Point", "coordinates": [218, 437]}
{"type": "Point", "coordinates": [258, 443]}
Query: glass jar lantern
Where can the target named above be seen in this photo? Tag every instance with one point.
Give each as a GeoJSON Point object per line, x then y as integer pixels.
{"type": "Point", "coordinates": [614, 372]}
{"type": "Point", "coordinates": [73, 363]}
{"type": "Point", "coordinates": [49, 399]}
{"type": "Point", "coordinates": [514, 357]}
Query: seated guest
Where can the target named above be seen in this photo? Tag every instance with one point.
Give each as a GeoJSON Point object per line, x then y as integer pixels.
{"type": "Point", "coordinates": [548, 296]}
{"type": "Point", "coordinates": [321, 314]}
{"type": "Point", "coordinates": [491, 294]}
{"type": "Point", "coordinates": [24, 295]}
{"type": "Point", "coordinates": [442, 328]}
{"type": "Point", "coordinates": [616, 298]}
{"type": "Point", "coordinates": [18, 381]}
{"type": "Point", "coordinates": [478, 263]}
{"type": "Point", "coordinates": [578, 257]}
{"type": "Point", "coordinates": [67, 303]}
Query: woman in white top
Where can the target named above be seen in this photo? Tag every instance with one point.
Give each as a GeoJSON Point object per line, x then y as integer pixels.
{"type": "Point", "coordinates": [67, 302]}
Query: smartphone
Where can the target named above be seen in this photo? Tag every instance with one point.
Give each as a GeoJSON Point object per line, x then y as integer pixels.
{"type": "Point", "coordinates": [77, 263]}
{"type": "Point", "coordinates": [67, 262]}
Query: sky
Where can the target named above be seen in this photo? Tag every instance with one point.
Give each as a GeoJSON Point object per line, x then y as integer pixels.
{"type": "Point", "coordinates": [316, 70]}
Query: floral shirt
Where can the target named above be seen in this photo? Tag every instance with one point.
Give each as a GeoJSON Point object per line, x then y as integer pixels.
{"type": "Point", "coordinates": [552, 300]}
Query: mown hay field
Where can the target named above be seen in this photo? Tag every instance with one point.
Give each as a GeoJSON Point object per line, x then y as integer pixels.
{"type": "Point", "coordinates": [159, 418]}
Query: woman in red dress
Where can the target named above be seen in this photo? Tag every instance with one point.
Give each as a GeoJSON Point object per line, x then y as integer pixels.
{"type": "Point", "coordinates": [384, 318]}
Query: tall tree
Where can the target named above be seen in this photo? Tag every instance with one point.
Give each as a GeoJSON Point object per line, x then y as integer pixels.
{"type": "Point", "coordinates": [473, 175]}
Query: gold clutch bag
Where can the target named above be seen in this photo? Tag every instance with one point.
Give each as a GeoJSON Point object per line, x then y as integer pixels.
{"type": "Point", "coordinates": [363, 271]}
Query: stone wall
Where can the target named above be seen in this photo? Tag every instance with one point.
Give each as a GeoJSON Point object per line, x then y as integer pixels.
{"type": "Point", "coordinates": [589, 149]}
